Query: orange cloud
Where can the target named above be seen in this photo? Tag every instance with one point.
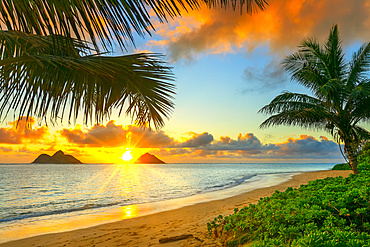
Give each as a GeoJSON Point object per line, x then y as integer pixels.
{"type": "Point", "coordinates": [6, 150]}
{"type": "Point", "coordinates": [22, 131]}
{"type": "Point", "coordinates": [281, 26]}
{"type": "Point", "coordinates": [324, 138]}
{"type": "Point", "coordinates": [112, 135]}
{"type": "Point", "coordinates": [225, 139]}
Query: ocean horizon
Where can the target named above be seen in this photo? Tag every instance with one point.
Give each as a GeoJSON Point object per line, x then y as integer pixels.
{"type": "Point", "coordinates": [40, 198]}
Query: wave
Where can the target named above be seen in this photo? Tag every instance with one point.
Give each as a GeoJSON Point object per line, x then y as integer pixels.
{"type": "Point", "coordinates": [57, 193]}
{"type": "Point", "coordinates": [229, 184]}
{"type": "Point", "coordinates": [30, 214]}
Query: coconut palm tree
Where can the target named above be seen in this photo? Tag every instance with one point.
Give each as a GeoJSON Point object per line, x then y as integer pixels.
{"type": "Point", "coordinates": [340, 89]}
{"type": "Point", "coordinates": [53, 58]}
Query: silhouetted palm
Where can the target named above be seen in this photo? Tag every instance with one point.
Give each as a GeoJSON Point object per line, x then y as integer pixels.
{"type": "Point", "coordinates": [52, 57]}
{"type": "Point", "coordinates": [341, 93]}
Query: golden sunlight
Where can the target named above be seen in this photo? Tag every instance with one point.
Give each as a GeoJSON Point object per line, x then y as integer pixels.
{"type": "Point", "coordinates": [127, 156]}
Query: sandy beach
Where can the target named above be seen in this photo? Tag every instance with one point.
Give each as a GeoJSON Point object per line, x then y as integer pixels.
{"type": "Point", "coordinates": [148, 230]}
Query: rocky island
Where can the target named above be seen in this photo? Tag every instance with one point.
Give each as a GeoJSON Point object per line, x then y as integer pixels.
{"type": "Point", "coordinates": [148, 158]}
{"type": "Point", "coordinates": [58, 158]}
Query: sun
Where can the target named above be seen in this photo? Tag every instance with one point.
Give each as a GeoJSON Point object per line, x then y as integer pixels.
{"type": "Point", "coordinates": [127, 156]}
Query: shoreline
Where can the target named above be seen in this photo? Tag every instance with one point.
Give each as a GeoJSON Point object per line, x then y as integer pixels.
{"type": "Point", "coordinates": [69, 221]}
{"type": "Point", "coordinates": [148, 229]}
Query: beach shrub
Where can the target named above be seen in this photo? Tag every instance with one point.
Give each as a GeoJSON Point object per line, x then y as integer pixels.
{"type": "Point", "coordinates": [326, 212]}
{"type": "Point", "coordinates": [363, 160]}
{"type": "Point", "coordinates": [342, 166]}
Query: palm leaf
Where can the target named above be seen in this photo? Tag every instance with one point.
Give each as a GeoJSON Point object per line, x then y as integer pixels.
{"type": "Point", "coordinates": [71, 82]}
{"type": "Point", "coordinates": [307, 118]}
{"type": "Point", "coordinates": [295, 109]}
{"type": "Point", "coordinates": [341, 93]}
{"type": "Point", "coordinates": [56, 69]}
{"type": "Point", "coordinates": [360, 133]}
{"type": "Point", "coordinates": [288, 101]}
{"type": "Point", "coordinates": [359, 65]}
{"type": "Point", "coordinates": [100, 21]}
{"type": "Point", "coordinates": [359, 103]}
{"type": "Point", "coordinates": [308, 66]}
{"type": "Point", "coordinates": [335, 57]}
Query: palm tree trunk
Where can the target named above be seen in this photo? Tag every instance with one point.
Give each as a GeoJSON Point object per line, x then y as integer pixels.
{"type": "Point", "coordinates": [352, 159]}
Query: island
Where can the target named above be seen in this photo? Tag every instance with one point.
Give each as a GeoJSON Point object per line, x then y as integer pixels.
{"type": "Point", "coordinates": [148, 158]}
{"type": "Point", "coordinates": [58, 158]}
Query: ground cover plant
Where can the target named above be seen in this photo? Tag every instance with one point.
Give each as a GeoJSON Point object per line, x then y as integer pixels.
{"type": "Point", "coordinates": [363, 160]}
{"type": "Point", "coordinates": [326, 212]}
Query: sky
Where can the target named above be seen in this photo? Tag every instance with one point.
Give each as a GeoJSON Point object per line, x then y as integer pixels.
{"type": "Point", "coordinates": [227, 67]}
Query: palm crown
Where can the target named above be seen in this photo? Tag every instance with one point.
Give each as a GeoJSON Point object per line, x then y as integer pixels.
{"type": "Point", "coordinates": [53, 58]}
{"type": "Point", "coordinates": [340, 89]}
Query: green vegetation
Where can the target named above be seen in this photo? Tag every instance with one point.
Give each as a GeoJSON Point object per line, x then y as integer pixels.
{"type": "Point", "coordinates": [363, 159]}
{"type": "Point", "coordinates": [340, 93]}
{"type": "Point", "coordinates": [326, 212]}
{"type": "Point", "coordinates": [342, 166]}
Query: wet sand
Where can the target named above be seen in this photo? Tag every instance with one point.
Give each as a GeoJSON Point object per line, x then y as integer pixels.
{"type": "Point", "coordinates": [148, 230]}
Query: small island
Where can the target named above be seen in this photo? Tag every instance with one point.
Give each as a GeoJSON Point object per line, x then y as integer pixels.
{"type": "Point", "coordinates": [58, 158]}
{"type": "Point", "coordinates": [148, 158]}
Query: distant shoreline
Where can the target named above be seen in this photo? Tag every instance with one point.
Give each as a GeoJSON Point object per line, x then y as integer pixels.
{"type": "Point", "coordinates": [146, 230]}
{"type": "Point", "coordinates": [19, 163]}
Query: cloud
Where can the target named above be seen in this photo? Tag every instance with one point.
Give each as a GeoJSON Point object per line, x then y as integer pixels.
{"type": "Point", "coordinates": [248, 146]}
{"type": "Point", "coordinates": [281, 26]}
{"type": "Point", "coordinates": [200, 145]}
{"type": "Point", "coordinates": [6, 150]}
{"type": "Point", "coordinates": [172, 152]}
{"type": "Point", "coordinates": [305, 146]}
{"type": "Point", "coordinates": [98, 135]}
{"type": "Point", "coordinates": [197, 140]}
{"type": "Point", "coordinates": [247, 142]}
{"type": "Point", "coordinates": [25, 150]}
{"type": "Point", "coordinates": [52, 148]}
{"type": "Point", "coordinates": [271, 76]}
{"type": "Point", "coordinates": [147, 138]}
{"type": "Point", "coordinates": [22, 131]}
{"type": "Point", "coordinates": [112, 135]}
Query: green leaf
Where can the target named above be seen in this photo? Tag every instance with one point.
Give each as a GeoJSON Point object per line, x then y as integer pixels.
{"type": "Point", "coordinates": [91, 85]}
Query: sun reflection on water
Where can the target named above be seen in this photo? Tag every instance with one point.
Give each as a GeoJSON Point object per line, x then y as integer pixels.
{"type": "Point", "coordinates": [130, 211]}
{"type": "Point", "coordinates": [91, 189]}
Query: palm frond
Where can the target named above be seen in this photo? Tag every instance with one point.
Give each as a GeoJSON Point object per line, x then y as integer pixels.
{"type": "Point", "coordinates": [288, 101]}
{"type": "Point", "coordinates": [297, 110]}
{"type": "Point", "coordinates": [341, 93]}
{"type": "Point", "coordinates": [100, 21]}
{"type": "Point", "coordinates": [360, 133]}
{"type": "Point", "coordinates": [333, 92]}
{"type": "Point", "coordinates": [335, 61]}
{"type": "Point", "coordinates": [249, 5]}
{"type": "Point", "coordinates": [308, 66]}
{"type": "Point", "coordinates": [359, 102]}
{"type": "Point", "coordinates": [331, 87]}
{"type": "Point", "coordinates": [71, 82]}
{"type": "Point", "coordinates": [359, 65]}
{"type": "Point", "coordinates": [308, 118]}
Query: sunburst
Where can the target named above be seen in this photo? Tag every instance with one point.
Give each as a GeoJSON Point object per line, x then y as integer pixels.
{"type": "Point", "coordinates": [126, 156]}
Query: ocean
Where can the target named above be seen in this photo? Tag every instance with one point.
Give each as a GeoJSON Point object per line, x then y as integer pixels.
{"type": "Point", "coordinates": [37, 199]}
